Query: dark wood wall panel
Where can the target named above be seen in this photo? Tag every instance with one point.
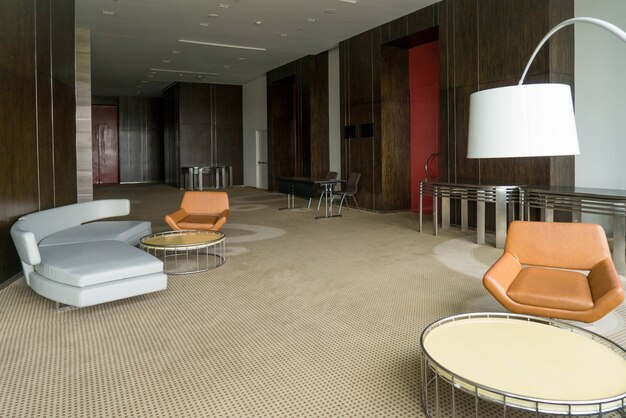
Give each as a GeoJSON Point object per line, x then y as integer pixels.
{"type": "Point", "coordinates": [171, 158]}
{"type": "Point", "coordinates": [203, 125]}
{"type": "Point", "coordinates": [483, 44]}
{"type": "Point", "coordinates": [298, 131]}
{"type": "Point", "coordinates": [64, 132]}
{"type": "Point", "coordinates": [37, 75]}
{"type": "Point", "coordinates": [44, 106]}
{"type": "Point", "coordinates": [318, 77]}
{"type": "Point", "coordinates": [141, 140]}
{"type": "Point", "coordinates": [395, 127]}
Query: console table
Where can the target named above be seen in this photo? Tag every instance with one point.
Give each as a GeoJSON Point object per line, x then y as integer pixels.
{"type": "Point", "coordinates": [503, 195]}
{"type": "Point", "coordinates": [578, 200]}
{"type": "Point", "coordinates": [223, 176]}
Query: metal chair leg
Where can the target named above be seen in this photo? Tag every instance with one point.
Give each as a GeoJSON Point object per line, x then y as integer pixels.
{"type": "Point", "coordinates": [320, 201]}
{"type": "Point", "coordinates": [343, 197]}
{"type": "Point", "coordinates": [356, 203]}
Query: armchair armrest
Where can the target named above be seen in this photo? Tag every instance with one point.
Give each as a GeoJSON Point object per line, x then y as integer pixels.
{"type": "Point", "coordinates": [173, 218]}
{"type": "Point", "coordinates": [499, 277]}
{"type": "Point", "coordinates": [221, 219]}
{"type": "Point", "coordinates": [605, 283]}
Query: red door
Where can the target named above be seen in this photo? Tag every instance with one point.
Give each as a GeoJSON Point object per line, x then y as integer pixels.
{"type": "Point", "coordinates": [424, 87]}
{"type": "Point", "coordinates": [104, 141]}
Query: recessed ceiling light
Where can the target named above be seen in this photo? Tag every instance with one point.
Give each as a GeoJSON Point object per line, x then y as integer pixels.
{"type": "Point", "coordinates": [180, 75]}
{"type": "Point", "coordinates": [258, 23]}
{"type": "Point", "coordinates": [350, 1]}
{"type": "Point", "coordinates": [284, 35]}
{"type": "Point", "coordinates": [144, 81]}
{"type": "Point", "coordinates": [175, 52]}
{"type": "Point", "coordinates": [224, 6]}
{"type": "Point", "coordinates": [311, 19]}
{"type": "Point", "coordinates": [242, 58]}
{"type": "Point", "coordinates": [213, 15]}
{"type": "Point", "coordinates": [205, 24]}
{"type": "Point", "coordinates": [109, 13]}
{"type": "Point", "coordinates": [199, 76]}
{"type": "Point", "coordinates": [166, 61]}
{"type": "Point", "coordinates": [330, 11]}
{"type": "Point", "coordinates": [150, 75]}
{"type": "Point", "coordinates": [227, 66]}
{"type": "Point", "coordinates": [252, 48]}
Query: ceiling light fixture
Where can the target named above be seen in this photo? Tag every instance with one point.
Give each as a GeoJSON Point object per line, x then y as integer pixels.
{"type": "Point", "coordinates": [241, 58]}
{"type": "Point", "coordinates": [258, 23]}
{"type": "Point", "coordinates": [144, 81]}
{"type": "Point", "coordinates": [205, 24]}
{"type": "Point", "coordinates": [175, 52]}
{"type": "Point", "coordinates": [312, 19]}
{"type": "Point", "coordinates": [227, 66]}
{"type": "Point", "coordinates": [284, 35]}
{"type": "Point", "coordinates": [166, 61]}
{"type": "Point", "coordinates": [150, 75]}
{"type": "Point", "coordinates": [350, 1]}
{"type": "Point", "coordinates": [251, 48]}
{"type": "Point", "coordinates": [109, 13]}
{"type": "Point", "coordinates": [180, 72]}
{"type": "Point", "coordinates": [330, 11]}
{"type": "Point", "coordinates": [214, 15]}
{"type": "Point", "coordinates": [224, 6]}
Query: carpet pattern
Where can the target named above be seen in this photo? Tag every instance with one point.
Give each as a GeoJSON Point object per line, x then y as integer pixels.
{"type": "Point", "coordinates": [306, 318]}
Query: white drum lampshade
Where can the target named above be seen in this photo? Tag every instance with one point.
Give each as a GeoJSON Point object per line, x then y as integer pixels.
{"type": "Point", "coordinates": [522, 121]}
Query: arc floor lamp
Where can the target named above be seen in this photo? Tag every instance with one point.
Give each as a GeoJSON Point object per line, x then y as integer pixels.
{"type": "Point", "coordinates": [527, 120]}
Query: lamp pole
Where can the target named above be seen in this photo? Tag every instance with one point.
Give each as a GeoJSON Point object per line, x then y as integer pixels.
{"type": "Point", "coordinates": [592, 20]}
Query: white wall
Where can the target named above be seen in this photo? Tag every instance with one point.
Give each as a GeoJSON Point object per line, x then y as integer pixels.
{"type": "Point", "coordinates": [254, 117]}
{"type": "Point", "coordinates": [600, 72]}
{"type": "Point", "coordinates": [334, 111]}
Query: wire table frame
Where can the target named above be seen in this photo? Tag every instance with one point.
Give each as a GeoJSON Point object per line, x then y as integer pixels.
{"type": "Point", "coordinates": [186, 251]}
{"type": "Point", "coordinates": [467, 396]}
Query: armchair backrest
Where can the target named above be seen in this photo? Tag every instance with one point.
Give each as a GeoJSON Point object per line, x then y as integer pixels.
{"type": "Point", "coordinates": [577, 246]}
{"type": "Point", "coordinates": [205, 202]}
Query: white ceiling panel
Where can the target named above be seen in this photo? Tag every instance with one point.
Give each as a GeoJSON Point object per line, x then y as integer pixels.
{"type": "Point", "coordinates": [141, 34]}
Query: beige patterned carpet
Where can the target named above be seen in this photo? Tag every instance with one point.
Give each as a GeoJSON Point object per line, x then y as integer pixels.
{"type": "Point", "coordinates": [306, 318]}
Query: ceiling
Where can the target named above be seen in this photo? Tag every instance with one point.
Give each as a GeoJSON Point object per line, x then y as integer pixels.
{"type": "Point", "coordinates": [132, 41]}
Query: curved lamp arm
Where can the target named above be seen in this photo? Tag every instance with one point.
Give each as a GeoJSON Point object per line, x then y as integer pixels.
{"type": "Point", "coordinates": [603, 24]}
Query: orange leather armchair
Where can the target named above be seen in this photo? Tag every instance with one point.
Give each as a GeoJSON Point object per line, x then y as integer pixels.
{"type": "Point", "coordinates": [535, 274]}
{"type": "Point", "coordinates": [200, 210]}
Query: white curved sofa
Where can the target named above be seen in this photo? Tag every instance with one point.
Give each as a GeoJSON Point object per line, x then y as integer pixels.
{"type": "Point", "coordinates": [80, 264]}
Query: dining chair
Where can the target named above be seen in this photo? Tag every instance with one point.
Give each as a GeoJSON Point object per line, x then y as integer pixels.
{"type": "Point", "coordinates": [351, 189]}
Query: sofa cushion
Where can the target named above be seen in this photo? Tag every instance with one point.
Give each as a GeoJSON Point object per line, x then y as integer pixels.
{"type": "Point", "coordinates": [89, 263]}
{"type": "Point", "coordinates": [551, 288]}
{"type": "Point", "coordinates": [126, 231]}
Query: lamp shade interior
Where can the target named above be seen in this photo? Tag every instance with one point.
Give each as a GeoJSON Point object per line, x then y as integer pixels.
{"type": "Point", "coordinates": [522, 121]}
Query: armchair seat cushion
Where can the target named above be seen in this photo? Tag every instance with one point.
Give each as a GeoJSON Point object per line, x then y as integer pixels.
{"type": "Point", "coordinates": [551, 288]}
{"type": "Point", "coordinates": [126, 231]}
{"type": "Point", "coordinates": [90, 263]}
{"type": "Point", "coordinates": [197, 221]}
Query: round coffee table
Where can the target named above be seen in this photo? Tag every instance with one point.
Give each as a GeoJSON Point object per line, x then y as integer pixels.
{"type": "Point", "coordinates": [520, 362]}
{"type": "Point", "coordinates": [184, 252]}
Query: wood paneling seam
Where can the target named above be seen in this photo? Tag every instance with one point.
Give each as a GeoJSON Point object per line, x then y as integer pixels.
{"type": "Point", "coordinates": [37, 109]}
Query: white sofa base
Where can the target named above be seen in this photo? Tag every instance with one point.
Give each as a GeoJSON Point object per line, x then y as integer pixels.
{"type": "Point", "coordinates": [68, 258]}
{"type": "Point", "coordinates": [100, 293]}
